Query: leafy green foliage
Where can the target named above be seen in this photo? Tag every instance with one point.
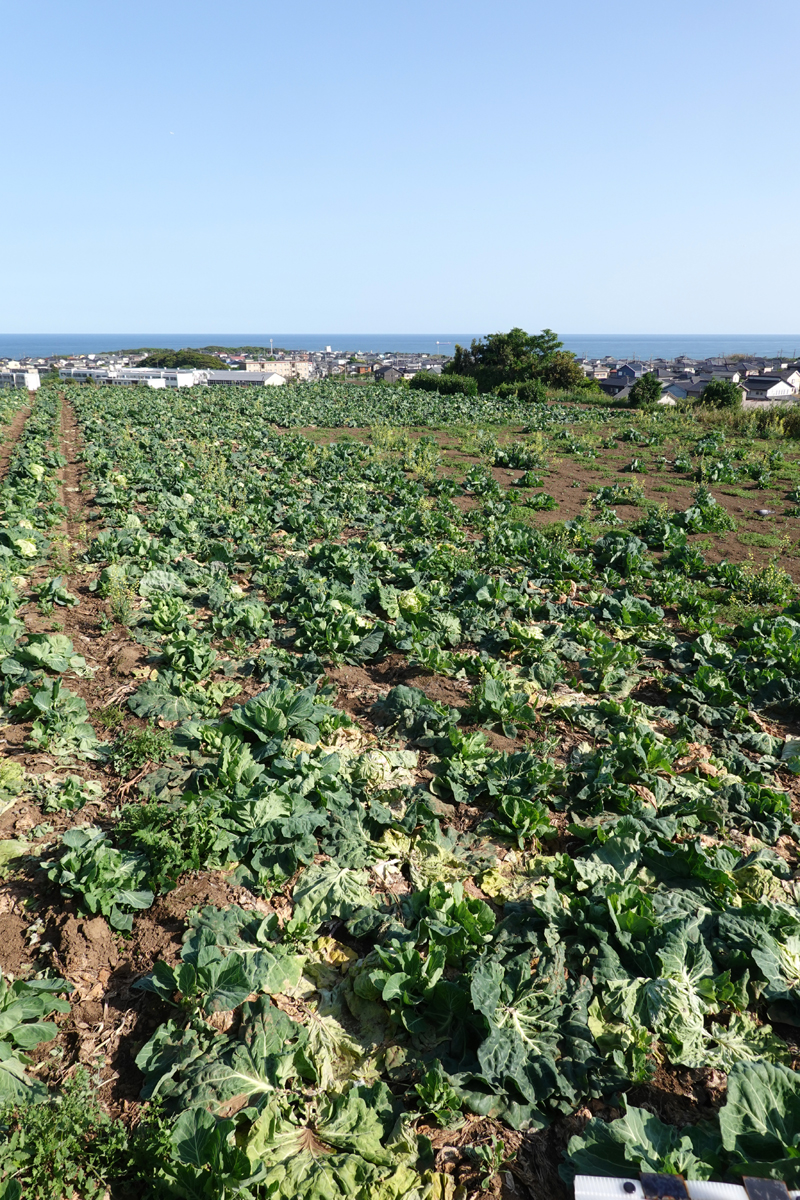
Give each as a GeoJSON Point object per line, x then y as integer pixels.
{"type": "Point", "coordinates": [68, 1145]}
{"type": "Point", "coordinates": [183, 358]}
{"type": "Point", "coordinates": [722, 393]}
{"type": "Point", "coordinates": [512, 357]}
{"type": "Point", "coordinates": [447, 385]}
{"type": "Point", "coordinates": [23, 1004]}
{"type": "Point", "coordinates": [541, 502]}
{"type": "Point", "coordinates": [645, 391]}
{"type": "Point", "coordinates": [439, 1098]}
{"type": "Point", "coordinates": [491, 1157]}
{"type": "Point", "coordinates": [60, 723]}
{"type": "Point", "coordinates": [755, 1134]}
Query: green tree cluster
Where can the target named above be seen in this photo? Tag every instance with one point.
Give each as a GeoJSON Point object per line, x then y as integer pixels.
{"type": "Point", "coordinates": [184, 358]}
{"type": "Point", "coordinates": [517, 359]}
{"type": "Point", "coordinates": [511, 357]}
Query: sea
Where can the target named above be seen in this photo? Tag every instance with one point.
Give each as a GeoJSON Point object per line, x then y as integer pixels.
{"type": "Point", "coordinates": [589, 345]}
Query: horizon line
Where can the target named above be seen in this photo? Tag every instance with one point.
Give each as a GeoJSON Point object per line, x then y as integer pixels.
{"type": "Point", "coordinates": [417, 333]}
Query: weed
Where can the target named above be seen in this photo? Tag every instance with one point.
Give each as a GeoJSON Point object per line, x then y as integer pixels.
{"type": "Point", "coordinates": [388, 438]}
{"type": "Point", "coordinates": [61, 551]}
{"type": "Point", "coordinates": [422, 458]}
{"type": "Point", "coordinates": [110, 717]}
{"type": "Point", "coordinates": [135, 747]}
{"type": "Point", "coordinates": [68, 1146]}
{"type": "Point", "coordinates": [765, 541]}
{"type": "Point", "coordinates": [490, 1157]}
{"type": "Point", "coordinates": [482, 443]}
{"type": "Point", "coordinates": [768, 584]}
{"type": "Point", "coordinates": [120, 598]}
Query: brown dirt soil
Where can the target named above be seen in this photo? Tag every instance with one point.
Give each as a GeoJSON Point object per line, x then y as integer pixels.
{"type": "Point", "coordinates": [395, 669]}
{"type": "Point", "coordinates": [450, 1146]}
{"type": "Point", "coordinates": [15, 955]}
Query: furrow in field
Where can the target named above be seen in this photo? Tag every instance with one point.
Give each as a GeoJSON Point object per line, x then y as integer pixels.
{"type": "Point", "coordinates": [10, 436]}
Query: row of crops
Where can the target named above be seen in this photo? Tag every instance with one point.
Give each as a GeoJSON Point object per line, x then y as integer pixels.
{"type": "Point", "coordinates": [443, 934]}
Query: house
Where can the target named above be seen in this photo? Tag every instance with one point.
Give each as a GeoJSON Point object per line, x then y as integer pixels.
{"type": "Point", "coordinates": [632, 370]}
{"type": "Point", "coordinates": [695, 389]}
{"type": "Point", "coordinates": [615, 383]}
{"type": "Point", "coordinates": [792, 377]}
{"type": "Point", "coordinates": [725, 373]}
{"type": "Point", "coordinates": [676, 389]}
{"type": "Point", "coordinates": [388, 374]}
{"type": "Point", "coordinates": [155, 377]}
{"type": "Point", "coordinates": [768, 387]}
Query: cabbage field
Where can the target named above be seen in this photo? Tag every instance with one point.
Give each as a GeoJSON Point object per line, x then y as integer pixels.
{"type": "Point", "coordinates": [398, 794]}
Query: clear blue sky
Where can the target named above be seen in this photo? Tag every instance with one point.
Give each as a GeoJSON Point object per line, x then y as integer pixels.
{"type": "Point", "coordinates": [590, 165]}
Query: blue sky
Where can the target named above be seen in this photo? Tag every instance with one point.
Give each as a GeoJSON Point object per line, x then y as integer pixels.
{"type": "Point", "coordinates": [590, 165]}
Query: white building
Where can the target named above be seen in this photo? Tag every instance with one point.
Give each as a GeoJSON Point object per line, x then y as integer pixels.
{"type": "Point", "coordinates": [150, 376]}
{"type": "Point", "coordinates": [768, 387]}
{"type": "Point", "coordinates": [289, 368]}
{"type": "Point", "coordinates": [245, 378]}
{"type": "Point", "coordinates": [20, 379]}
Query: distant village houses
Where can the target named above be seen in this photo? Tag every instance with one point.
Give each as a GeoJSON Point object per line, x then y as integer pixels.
{"type": "Point", "coordinates": [759, 380]}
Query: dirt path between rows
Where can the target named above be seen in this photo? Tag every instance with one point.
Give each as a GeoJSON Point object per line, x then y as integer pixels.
{"type": "Point", "coordinates": [11, 436]}
{"type": "Point", "coordinates": [112, 653]}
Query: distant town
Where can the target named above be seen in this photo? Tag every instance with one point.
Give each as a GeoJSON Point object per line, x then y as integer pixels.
{"type": "Point", "coordinates": [772, 380]}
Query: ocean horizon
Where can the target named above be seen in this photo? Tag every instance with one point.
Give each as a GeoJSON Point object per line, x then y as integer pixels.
{"type": "Point", "coordinates": [590, 345]}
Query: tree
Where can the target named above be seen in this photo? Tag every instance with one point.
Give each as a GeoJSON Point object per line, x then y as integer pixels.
{"type": "Point", "coordinates": [722, 393]}
{"type": "Point", "coordinates": [645, 391]}
{"type": "Point", "coordinates": [511, 357]}
{"type": "Point", "coordinates": [563, 371]}
{"type": "Point", "coordinates": [184, 358]}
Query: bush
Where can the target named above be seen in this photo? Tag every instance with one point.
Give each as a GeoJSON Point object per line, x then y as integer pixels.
{"type": "Point", "coordinates": [445, 385]}
{"type": "Point", "coordinates": [721, 393]}
{"type": "Point", "coordinates": [532, 391]}
{"type": "Point", "coordinates": [789, 418]}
